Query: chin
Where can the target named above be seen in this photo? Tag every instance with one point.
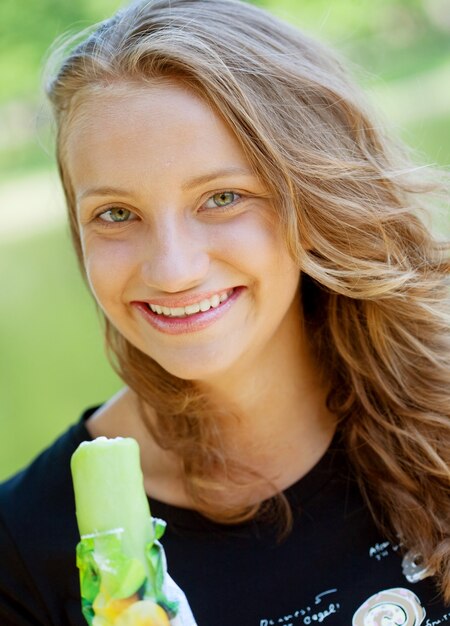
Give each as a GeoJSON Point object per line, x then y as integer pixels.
{"type": "Point", "coordinates": [200, 362]}
{"type": "Point", "coordinates": [200, 373]}
{"type": "Point", "coordinates": [201, 367]}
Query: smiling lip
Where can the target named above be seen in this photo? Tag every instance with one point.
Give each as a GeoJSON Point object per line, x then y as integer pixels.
{"type": "Point", "coordinates": [186, 300]}
{"type": "Point", "coordinates": [191, 323]}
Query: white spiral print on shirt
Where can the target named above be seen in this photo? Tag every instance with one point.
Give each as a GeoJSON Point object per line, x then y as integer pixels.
{"type": "Point", "coordinates": [391, 607]}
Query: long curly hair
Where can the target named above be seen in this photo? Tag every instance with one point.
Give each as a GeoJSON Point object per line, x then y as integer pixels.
{"type": "Point", "coordinates": [374, 288]}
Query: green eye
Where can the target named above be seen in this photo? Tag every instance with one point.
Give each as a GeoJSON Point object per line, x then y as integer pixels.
{"type": "Point", "coordinates": [222, 199]}
{"type": "Point", "coordinates": [226, 197]}
{"type": "Point", "coordinates": [116, 214]}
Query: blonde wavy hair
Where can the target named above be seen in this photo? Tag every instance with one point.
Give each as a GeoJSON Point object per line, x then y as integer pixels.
{"type": "Point", "coordinates": [373, 289]}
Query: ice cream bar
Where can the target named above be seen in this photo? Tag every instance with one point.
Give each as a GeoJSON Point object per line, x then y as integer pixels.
{"type": "Point", "coordinates": [109, 492]}
{"type": "Point", "coordinates": [121, 562]}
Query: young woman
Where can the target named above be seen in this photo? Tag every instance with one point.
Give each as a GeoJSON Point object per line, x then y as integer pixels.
{"type": "Point", "coordinates": [278, 313]}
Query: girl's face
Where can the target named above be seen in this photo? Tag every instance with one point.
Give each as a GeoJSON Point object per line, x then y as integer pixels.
{"type": "Point", "coordinates": [180, 239]}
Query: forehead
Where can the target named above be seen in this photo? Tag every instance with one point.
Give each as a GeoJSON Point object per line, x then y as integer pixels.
{"type": "Point", "coordinates": [124, 101]}
{"type": "Point", "coordinates": [161, 122]}
{"type": "Point", "coordinates": [128, 110]}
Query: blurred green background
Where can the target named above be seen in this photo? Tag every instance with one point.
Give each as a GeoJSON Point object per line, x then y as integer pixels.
{"type": "Point", "coordinates": [52, 363]}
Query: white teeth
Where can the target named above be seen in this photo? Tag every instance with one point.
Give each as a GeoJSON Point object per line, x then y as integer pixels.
{"type": "Point", "coordinates": [205, 305]}
{"type": "Point", "coordinates": [191, 309]}
{"type": "Point", "coordinates": [215, 301]}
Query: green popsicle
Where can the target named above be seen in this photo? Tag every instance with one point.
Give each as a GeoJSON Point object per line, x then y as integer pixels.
{"type": "Point", "coordinates": [121, 562]}
{"type": "Point", "coordinates": [109, 492]}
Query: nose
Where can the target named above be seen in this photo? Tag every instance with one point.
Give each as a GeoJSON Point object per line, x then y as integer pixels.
{"type": "Point", "coordinates": [176, 258]}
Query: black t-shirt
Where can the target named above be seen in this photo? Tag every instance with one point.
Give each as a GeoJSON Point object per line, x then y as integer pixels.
{"type": "Point", "coordinates": [334, 567]}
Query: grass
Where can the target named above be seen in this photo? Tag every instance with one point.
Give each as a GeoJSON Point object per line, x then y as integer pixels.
{"type": "Point", "coordinates": [431, 137]}
{"type": "Point", "coordinates": [52, 363]}
{"type": "Point", "coordinates": [21, 160]}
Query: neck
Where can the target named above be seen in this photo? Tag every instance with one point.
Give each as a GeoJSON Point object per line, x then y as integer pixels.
{"type": "Point", "coordinates": [283, 425]}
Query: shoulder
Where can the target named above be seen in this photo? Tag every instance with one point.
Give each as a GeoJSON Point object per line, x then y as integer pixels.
{"type": "Point", "coordinates": [38, 532]}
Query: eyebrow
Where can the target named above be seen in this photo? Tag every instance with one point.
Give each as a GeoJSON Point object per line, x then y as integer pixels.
{"type": "Point", "coordinates": [192, 183]}
{"type": "Point", "coordinates": [208, 177]}
{"type": "Point", "coordinates": [104, 191]}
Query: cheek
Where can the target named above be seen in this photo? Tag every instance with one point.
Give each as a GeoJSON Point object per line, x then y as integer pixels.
{"type": "Point", "coordinates": [108, 266]}
{"type": "Point", "coordinates": [253, 243]}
